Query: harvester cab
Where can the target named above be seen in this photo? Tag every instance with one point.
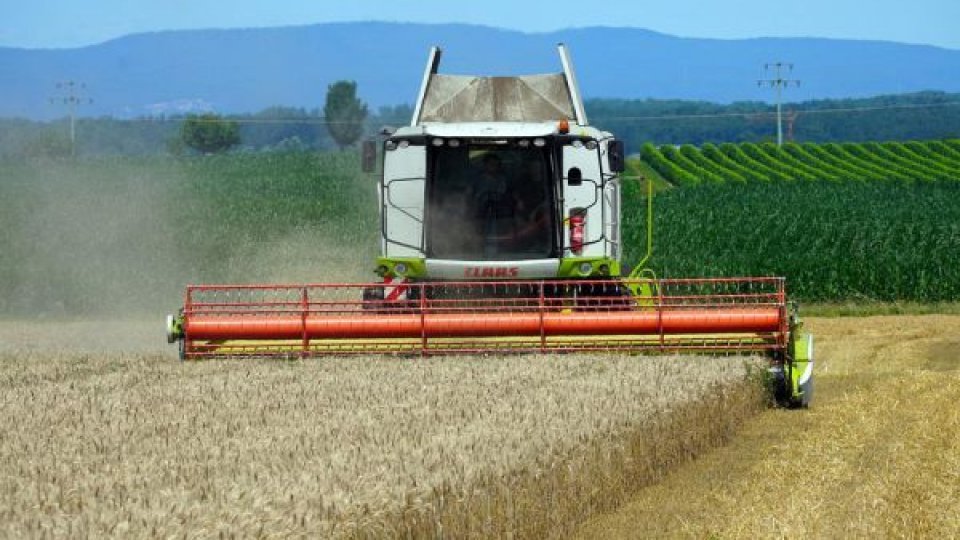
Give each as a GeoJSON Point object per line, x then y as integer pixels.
{"type": "Point", "coordinates": [499, 178]}
{"type": "Point", "coordinates": [500, 233]}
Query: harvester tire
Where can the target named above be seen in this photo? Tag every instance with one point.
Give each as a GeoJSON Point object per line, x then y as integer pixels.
{"type": "Point", "coordinates": [780, 391]}
{"type": "Point", "coordinates": [372, 298]}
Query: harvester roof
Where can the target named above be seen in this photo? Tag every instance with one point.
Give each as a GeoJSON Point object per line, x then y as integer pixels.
{"type": "Point", "coordinates": [494, 130]}
{"type": "Point", "coordinates": [530, 98]}
{"type": "Point", "coordinates": [541, 98]}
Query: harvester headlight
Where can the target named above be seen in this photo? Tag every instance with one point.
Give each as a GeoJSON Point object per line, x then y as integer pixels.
{"type": "Point", "coordinates": [577, 144]}
{"type": "Point", "coordinates": [523, 143]}
{"type": "Point", "coordinates": [586, 268]}
{"type": "Point", "coordinates": [591, 145]}
{"type": "Point", "coordinates": [390, 146]}
{"type": "Point", "coordinates": [403, 144]}
{"type": "Point", "coordinates": [400, 268]}
{"type": "Point", "coordinates": [604, 270]}
{"type": "Point", "coordinates": [437, 142]}
{"type": "Point", "coordinates": [454, 143]}
{"type": "Point", "coordinates": [539, 142]}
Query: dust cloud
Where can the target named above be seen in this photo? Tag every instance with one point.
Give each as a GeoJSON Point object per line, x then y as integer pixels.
{"type": "Point", "coordinates": [308, 254]}
{"type": "Point", "coordinates": [120, 240]}
{"type": "Point", "coordinates": [84, 244]}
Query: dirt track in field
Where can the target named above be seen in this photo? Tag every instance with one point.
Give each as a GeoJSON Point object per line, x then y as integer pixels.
{"type": "Point", "coordinates": [878, 454]}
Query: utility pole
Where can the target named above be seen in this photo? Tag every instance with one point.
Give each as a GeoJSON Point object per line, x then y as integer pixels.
{"type": "Point", "coordinates": [778, 83]}
{"type": "Point", "coordinates": [72, 94]}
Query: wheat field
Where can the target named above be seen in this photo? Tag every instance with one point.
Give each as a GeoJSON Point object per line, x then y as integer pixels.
{"type": "Point", "coordinates": [104, 433]}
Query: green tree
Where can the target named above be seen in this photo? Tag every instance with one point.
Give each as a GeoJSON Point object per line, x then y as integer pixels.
{"type": "Point", "coordinates": [344, 113]}
{"type": "Point", "coordinates": [209, 133]}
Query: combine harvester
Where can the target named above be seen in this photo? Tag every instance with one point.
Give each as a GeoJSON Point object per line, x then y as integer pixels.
{"type": "Point", "coordinates": [500, 232]}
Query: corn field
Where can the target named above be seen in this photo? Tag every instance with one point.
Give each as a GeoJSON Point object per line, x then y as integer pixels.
{"type": "Point", "coordinates": [842, 222]}
{"type": "Point", "coordinates": [912, 161]}
{"type": "Point", "coordinates": [833, 241]}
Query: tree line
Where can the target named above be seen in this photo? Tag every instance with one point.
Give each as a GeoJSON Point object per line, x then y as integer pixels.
{"type": "Point", "coordinates": [345, 118]}
{"type": "Point", "coordinates": [920, 115]}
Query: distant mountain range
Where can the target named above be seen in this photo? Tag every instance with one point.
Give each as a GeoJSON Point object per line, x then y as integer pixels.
{"type": "Point", "coordinates": [246, 70]}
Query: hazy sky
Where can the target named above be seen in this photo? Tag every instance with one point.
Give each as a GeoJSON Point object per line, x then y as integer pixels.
{"type": "Point", "coordinates": [71, 23]}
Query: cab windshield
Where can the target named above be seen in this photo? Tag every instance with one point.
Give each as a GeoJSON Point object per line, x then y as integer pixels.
{"type": "Point", "coordinates": [490, 202]}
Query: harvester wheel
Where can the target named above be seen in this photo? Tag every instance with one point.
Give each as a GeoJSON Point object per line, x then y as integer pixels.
{"type": "Point", "coordinates": [606, 296]}
{"type": "Point", "coordinates": [782, 392]}
{"type": "Point", "coordinates": [779, 387]}
{"type": "Point", "coordinates": [372, 298]}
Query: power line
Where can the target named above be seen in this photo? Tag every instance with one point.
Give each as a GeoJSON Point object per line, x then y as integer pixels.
{"type": "Point", "coordinates": [313, 120]}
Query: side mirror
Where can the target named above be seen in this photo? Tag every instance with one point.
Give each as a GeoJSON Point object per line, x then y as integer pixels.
{"type": "Point", "coordinates": [615, 156]}
{"type": "Point", "coordinates": [368, 156]}
{"type": "Point", "coordinates": [574, 176]}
